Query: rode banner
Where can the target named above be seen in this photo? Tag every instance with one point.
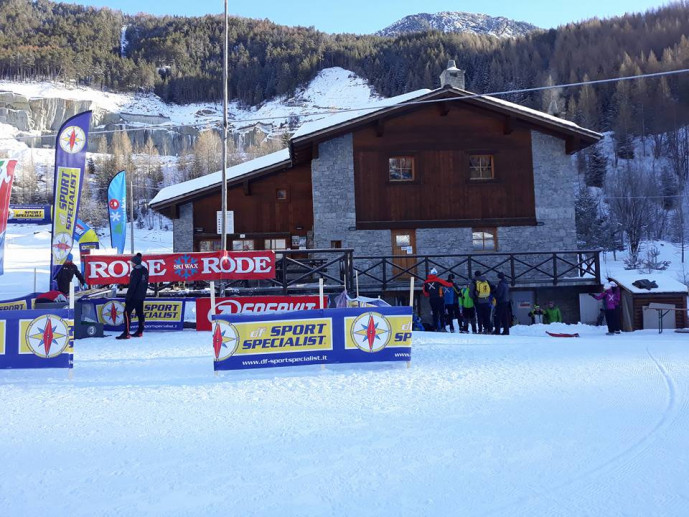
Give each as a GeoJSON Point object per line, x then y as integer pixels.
{"type": "Point", "coordinates": [70, 160]}
{"type": "Point", "coordinates": [36, 339]}
{"type": "Point", "coordinates": [6, 178]}
{"type": "Point", "coordinates": [252, 305]}
{"type": "Point", "coordinates": [327, 336]}
{"type": "Point", "coordinates": [161, 313]}
{"type": "Point", "coordinates": [183, 267]}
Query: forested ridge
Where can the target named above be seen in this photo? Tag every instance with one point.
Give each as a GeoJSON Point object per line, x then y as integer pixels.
{"type": "Point", "coordinates": [180, 58]}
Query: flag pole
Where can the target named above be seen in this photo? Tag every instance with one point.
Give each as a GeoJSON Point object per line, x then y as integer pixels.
{"type": "Point", "coordinates": [223, 190]}
{"type": "Point", "coordinates": [131, 215]}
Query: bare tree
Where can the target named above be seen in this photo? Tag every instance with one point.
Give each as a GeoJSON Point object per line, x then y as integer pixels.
{"type": "Point", "coordinates": [631, 194]}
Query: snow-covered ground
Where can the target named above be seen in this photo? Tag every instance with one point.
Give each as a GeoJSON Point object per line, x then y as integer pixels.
{"type": "Point", "coordinates": [523, 424]}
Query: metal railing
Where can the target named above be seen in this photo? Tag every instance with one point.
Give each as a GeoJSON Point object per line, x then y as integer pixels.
{"type": "Point", "coordinates": [528, 268]}
{"type": "Point", "coordinates": [300, 270]}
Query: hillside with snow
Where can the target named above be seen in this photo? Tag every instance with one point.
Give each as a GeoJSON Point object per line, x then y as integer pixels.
{"type": "Point", "coordinates": [332, 89]}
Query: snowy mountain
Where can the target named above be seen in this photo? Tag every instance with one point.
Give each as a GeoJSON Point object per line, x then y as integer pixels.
{"type": "Point", "coordinates": [447, 21]}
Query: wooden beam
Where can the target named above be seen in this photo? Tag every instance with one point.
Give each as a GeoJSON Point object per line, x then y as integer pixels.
{"type": "Point", "coordinates": [509, 125]}
{"type": "Point", "coordinates": [247, 188]}
{"type": "Point", "coordinates": [380, 128]}
{"type": "Point", "coordinates": [314, 151]}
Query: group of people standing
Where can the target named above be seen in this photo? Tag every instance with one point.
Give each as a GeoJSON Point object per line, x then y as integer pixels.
{"type": "Point", "coordinates": [483, 306]}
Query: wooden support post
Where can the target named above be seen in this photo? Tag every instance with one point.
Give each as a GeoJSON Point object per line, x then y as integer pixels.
{"type": "Point", "coordinates": [411, 292]}
{"type": "Point", "coordinates": [320, 292]}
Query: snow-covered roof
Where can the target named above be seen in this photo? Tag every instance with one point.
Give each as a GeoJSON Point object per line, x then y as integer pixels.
{"type": "Point", "coordinates": [666, 282]}
{"type": "Point", "coordinates": [215, 178]}
{"type": "Point", "coordinates": [346, 116]}
{"type": "Point", "coordinates": [339, 119]}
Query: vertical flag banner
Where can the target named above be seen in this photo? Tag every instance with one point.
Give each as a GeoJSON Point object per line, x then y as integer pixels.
{"type": "Point", "coordinates": [6, 177]}
{"type": "Point", "coordinates": [70, 161]}
{"type": "Point", "coordinates": [117, 211]}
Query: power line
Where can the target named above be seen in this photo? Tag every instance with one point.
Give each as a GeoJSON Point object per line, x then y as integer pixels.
{"type": "Point", "coordinates": [383, 105]}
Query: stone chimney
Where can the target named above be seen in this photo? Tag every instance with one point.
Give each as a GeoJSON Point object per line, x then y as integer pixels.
{"type": "Point", "coordinates": [452, 76]}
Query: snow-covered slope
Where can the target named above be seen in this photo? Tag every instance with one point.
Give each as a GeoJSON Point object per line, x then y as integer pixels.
{"type": "Point", "coordinates": [333, 87]}
{"type": "Point", "coordinates": [447, 21]}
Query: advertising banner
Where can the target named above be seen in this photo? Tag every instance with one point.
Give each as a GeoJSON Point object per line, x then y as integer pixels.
{"type": "Point", "coordinates": [30, 214]}
{"type": "Point", "coordinates": [70, 159]}
{"type": "Point", "coordinates": [18, 304]}
{"type": "Point", "coordinates": [325, 336]}
{"type": "Point", "coordinates": [36, 339]}
{"type": "Point", "coordinates": [117, 211]}
{"type": "Point", "coordinates": [161, 313]}
{"type": "Point", "coordinates": [6, 178]}
{"type": "Point", "coordinates": [183, 267]}
{"type": "Point", "coordinates": [252, 305]}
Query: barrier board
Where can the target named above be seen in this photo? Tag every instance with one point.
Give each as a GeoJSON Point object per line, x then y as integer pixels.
{"type": "Point", "coordinates": [253, 305]}
{"type": "Point", "coordinates": [36, 338]}
{"type": "Point", "coordinates": [325, 336]}
{"type": "Point", "coordinates": [161, 313]}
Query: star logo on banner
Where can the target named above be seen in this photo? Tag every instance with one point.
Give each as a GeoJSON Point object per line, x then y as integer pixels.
{"type": "Point", "coordinates": [62, 245]}
{"type": "Point", "coordinates": [112, 313]}
{"type": "Point", "coordinates": [225, 340]}
{"type": "Point", "coordinates": [72, 139]}
{"type": "Point", "coordinates": [115, 216]}
{"type": "Point", "coordinates": [371, 332]}
{"type": "Point", "coordinates": [47, 336]}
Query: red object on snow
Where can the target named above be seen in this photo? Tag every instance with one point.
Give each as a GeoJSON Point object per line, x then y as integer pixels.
{"type": "Point", "coordinates": [554, 334]}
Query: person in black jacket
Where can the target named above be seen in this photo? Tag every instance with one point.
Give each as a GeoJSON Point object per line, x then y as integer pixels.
{"type": "Point", "coordinates": [502, 307]}
{"type": "Point", "coordinates": [136, 294]}
{"type": "Point", "coordinates": [65, 275]}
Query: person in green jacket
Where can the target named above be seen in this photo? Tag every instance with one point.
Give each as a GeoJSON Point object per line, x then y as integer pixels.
{"type": "Point", "coordinates": [552, 313]}
{"type": "Point", "coordinates": [468, 311]}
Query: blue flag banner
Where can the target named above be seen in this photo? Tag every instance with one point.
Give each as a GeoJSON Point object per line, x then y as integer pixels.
{"type": "Point", "coordinates": [117, 211]}
{"type": "Point", "coordinates": [30, 214]}
{"type": "Point", "coordinates": [36, 338]}
{"type": "Point", "coordinates": [323, 336]}
{"type": "Point", "coordinates": [161, 313]}
{"type": "Point", "coordinates": [70, 160]}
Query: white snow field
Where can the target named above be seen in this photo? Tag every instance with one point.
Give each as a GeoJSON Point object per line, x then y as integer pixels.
{"type": "Point", "coordinates": [514, 425]}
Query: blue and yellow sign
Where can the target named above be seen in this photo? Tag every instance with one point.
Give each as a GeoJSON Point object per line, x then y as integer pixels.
{"type": "Point", "coordinates": [36, 338]}
{"type": "Point", "coordinates": [312, 337]}
{"type": "Point", "coordinates": [30, 214]}
{"type": "Point", "coordinates": [160, 313]}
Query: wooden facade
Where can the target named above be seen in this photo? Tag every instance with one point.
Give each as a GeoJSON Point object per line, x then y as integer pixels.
{"type": "Point", "coordinates": [641, 300]}
{"type": "Point", "coordinates": [442, 193]}
{"type": "Point", "coordinates": [274, 206]}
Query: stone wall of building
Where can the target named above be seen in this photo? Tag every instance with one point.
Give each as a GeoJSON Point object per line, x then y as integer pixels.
{"type": "Point", "coordinates": [183, 229]}
{"type": "Point", "coordinates": [335, 206]}
{"type": "Point", "coordinates": [555, 178]}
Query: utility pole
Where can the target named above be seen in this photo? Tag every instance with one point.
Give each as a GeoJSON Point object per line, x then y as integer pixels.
{"type": "Point", "coordinates": [223, 190]}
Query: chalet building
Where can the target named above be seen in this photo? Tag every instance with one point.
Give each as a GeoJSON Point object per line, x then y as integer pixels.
{"type": "Point", "coordinates": [429, 172]}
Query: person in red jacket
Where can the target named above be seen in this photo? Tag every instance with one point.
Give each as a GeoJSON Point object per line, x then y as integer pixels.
{"type": "Point", "coordinates": [433, 289]}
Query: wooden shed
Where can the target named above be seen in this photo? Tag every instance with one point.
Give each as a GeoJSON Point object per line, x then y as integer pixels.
{"type": "Point", "coordinates": [639, 290]}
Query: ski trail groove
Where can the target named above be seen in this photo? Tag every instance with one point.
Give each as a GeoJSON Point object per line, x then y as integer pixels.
{"type": "Point", "coordinates": [617, 461]}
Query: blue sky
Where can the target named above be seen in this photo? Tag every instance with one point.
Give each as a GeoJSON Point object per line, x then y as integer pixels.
{"type": "Point", "coordinates": [367, 16]}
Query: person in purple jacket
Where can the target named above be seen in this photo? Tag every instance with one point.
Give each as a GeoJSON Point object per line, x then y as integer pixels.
{"type": "Point", "coordinates": [611, 299]}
